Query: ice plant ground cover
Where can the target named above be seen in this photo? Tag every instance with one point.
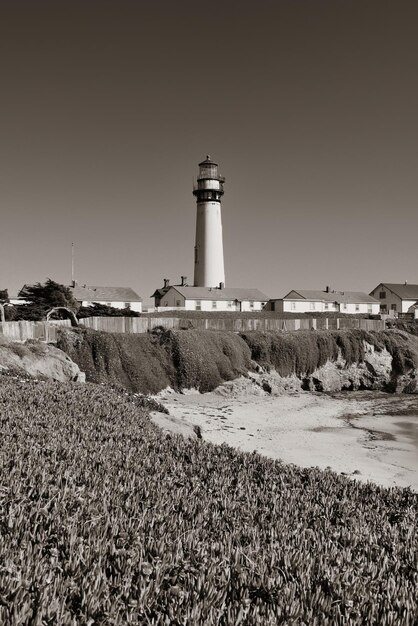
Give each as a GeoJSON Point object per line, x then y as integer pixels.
{"type": "Point", "coordinates": [148, 363]}
{"type": "Point", "coordinates": [105, 520]}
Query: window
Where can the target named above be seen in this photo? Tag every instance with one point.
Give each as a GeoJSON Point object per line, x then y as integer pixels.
{"type": "Point", "coordinates": [382, 295]}
{"type": "Point", "coordinates": [230, 303]}
{"type": "Point", "coordinates": [369, 308]}
{"type": "Point", "coordinates": [293, 306]}
{"type": "Point", "coordinates": [178, 302]}
{"type": "Point", "coordinates": [251, 305]}
{"type": "Point", "coordinates": [108, 304]}
{"type": "Point", "coordinates": [383, 308]}
{"type": "Point", "coordinates": [214, 304]}
{"type": "Point", "coordinates": [198, 305]}
{"type": "Point", "coordinates": [312, 306]}
{"type": "Point", "coordinates": [393, 307]}
{"type": "Point", "coordinates": [344, 306]}
{"type": "Point", "coordinates": [326, 306]}
{"type": "Point", "coordinates": [127, 305]}
{"type": "Point", "coordinates": [357, 308]}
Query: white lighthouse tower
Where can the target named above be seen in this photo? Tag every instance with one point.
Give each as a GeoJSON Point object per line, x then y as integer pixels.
{"type": "Point", "coordinates": [209, 254]}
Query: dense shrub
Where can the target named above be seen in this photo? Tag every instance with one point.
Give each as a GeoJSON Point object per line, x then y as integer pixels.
{"type": "Point", "coordinates": [204, 359]}
{"type": "Point", "coordinates": [98, 309]}
{"type": "Point", "coordinates": [134, 361]}
{"type": "Point", "coordinates": [409, 326]}
{"type": "Point", "coordinates": [106, 521]}
{"type": "Point", "coordinates": [150, 362]}
{"type": "Point", "coordinates": [302, 352]}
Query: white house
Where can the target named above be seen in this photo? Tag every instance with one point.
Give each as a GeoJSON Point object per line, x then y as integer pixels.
{"type": "Point", "coordinates": [395, 298]}
{"type": "Point", "coordinates": [209, 298]}
{"type": "Point", "coordinates": [116, 297]}
{"type": "Point", "coordinates": [311, 301]}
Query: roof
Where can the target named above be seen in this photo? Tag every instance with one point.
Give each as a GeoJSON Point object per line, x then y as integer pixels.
{"type": "Point", "coordinates": [207, 161]}
{"type": "Point", "coordinates": [158, 293]}
{"type": "Point", "coordinates": [93, 293]}
{"type": "Point", "coordinates": [226, 293]}
{"type": "Point", "coordinates": [404, 291]}
{"type": "Point", "coordinates": [348, 297]}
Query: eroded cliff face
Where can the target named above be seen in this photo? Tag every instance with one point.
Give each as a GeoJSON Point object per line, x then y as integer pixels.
{"type": "Point", "coordinates": [37, 360]}
{"type": "Point", "coordinates": [326, 361]}
{"type": "Point", "coordinates": [375, 372]}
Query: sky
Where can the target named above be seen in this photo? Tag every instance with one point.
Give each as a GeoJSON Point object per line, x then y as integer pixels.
{"type": "Point", "coordinates": [309, 107]}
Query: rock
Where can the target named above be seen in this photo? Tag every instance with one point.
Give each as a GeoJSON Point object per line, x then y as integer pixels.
{"type": "Point", "coordinates": [37, 359]}
{"type": "Point", "coordinates": [375, 372]}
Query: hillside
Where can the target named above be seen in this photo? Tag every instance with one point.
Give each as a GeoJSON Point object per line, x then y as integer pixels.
{"type": "Point", "coordinates": [322, 360]}
{"type": "Point", "coordinates": [107, 521]}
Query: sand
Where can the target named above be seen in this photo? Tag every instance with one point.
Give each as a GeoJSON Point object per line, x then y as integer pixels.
{"type": "Point", "coordinates": [307, 429]}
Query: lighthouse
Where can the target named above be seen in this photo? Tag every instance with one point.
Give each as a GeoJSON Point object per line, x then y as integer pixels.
{"type": "Point", "coordinates": [208, 253]}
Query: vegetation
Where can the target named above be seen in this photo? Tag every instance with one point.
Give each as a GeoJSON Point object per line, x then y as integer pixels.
{"type": "Point", "coordinates": [42, 298]}
{"type": "Point", "coordinates": [4, 296]}
{"type": "Point", "coordinates": [106, 521]}
{"type": "Point", "coordinates": [407, 325]}
{"type": "Point", "coordinates": [102, 310]}
{"type": "Point", "coordinates": [181, 359]}
{"type": "Point", "coordinates": [302, 352]}
{"type": "Point", "coordinates": [147, 363]}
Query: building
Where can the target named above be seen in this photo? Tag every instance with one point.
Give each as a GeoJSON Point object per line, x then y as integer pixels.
{"type": "Point", "coordinates": [208, 252]}
{"type": "Point", "coordinates": [208, 298]}
{"type": "Point", "coordinates": [116, 297]}
{"type": "Point", "coordinates": [396, 298]}
{"type": "Point", "coordinates": [208, 292]}
{"type": "Point", "coordinates": [311, 301]}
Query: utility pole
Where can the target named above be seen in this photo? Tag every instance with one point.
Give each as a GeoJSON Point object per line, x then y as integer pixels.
{"type": "Point", "coordinates": [72, 265]}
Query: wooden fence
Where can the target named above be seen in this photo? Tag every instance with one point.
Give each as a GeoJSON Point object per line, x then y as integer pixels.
{"type": "Point", "coordinates": [24, 330]}
{"type": "Point", "coordinates": [47, 331]}
{"type": "Point", "coordinates": [146, 324]}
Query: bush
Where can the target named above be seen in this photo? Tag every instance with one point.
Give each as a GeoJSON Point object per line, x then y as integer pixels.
{"type": "Point", "coordinates": [150, 362]}
{"type": "Point", "coordinates": [302, 352]}
{"type": "Point", "coordinates": [102, 310]}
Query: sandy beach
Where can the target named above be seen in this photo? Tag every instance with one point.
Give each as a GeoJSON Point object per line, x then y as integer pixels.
{"type": "Point", "coordinates": [367, 435]}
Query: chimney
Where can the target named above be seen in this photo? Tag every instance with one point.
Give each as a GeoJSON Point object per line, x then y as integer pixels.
{"type": "Point", "coordinates": [183, 281]}
{"type": "Point", "coordinates": [221, 285]}
{"type": "Point", "coordinates": [74, 283]}
{"type": "Point", "coordinates": [406, 282]}
{"type": "Point", "coordinates": [166, 282]}
{"type": "Point", "coordinates": [327, 289]}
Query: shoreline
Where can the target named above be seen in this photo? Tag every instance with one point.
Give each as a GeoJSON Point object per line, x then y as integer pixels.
{"type": "Point", "coordinates": [367, 435]}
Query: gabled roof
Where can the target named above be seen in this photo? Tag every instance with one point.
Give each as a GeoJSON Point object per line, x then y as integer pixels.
{"type": "Point", "coordinates": [347, 297]}
{"type": "Point", "coordinates": [226, 293]}
{"type": "Point", "coordinates": [158, 293]}
{"type": "Point", "coordinates": [405, 292]}
{"type": "Point", "coordinates": [92, 293]}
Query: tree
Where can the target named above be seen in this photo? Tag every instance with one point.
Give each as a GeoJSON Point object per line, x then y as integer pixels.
{"type": "Point", "coordinates": [49, 295]}
{"type": "Point", "coordinates": [42, 298]}
{"type": "Point", "coordinates": [4, 296]}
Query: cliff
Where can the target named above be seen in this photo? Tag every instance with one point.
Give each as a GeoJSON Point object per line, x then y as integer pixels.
{"type": "Point", "coordinates": [322, 361]}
